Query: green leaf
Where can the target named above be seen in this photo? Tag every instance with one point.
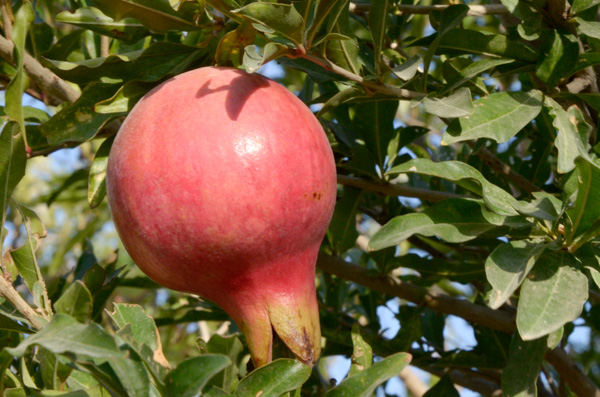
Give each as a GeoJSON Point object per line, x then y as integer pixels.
{"type": "Point", "coordinates": [232, 44]}
{"type": "Point", "coordinates": [274, 379]}
{"type": "Point", "coordinates": [560, 55]}
{"type": "Point", "coordinates": [552, 296]}
{"type": "Point", "coordinates": [499, 116]}
{"type": "Point", "coordinates": [65, 334]}
{"type": "Point", "coordinates": [188, 379]}
{"type": "Point", "coordinates": [452, 220]}
{"type": "Point", "coordinates": [377, 18]}
{"type": "Point", "coordinates": [362, 357]}
{"type": "Point", "coordinates": [508, 266]}
{"type": "Point", "coordinates": [342, 228]}
{"type": "Point", "coordinates": [13, 160]}
{"type": "Point", "coordinates": [97, 179]}
{"type": "Point", "coordinates": [151, 64]}
{"type": "Point", "coordinates": [10, 324]}
{"type": "Point", "coordinates": [443, 388]}
{"type": "Point", "coordinates": [282, 18]}
{"type": "Point", "coordinates": [511, 5]}
{"type": "Point", "coordinates": [252, 60]}
{"type": "Point", "coordinates": [586, 210]}
{"type": "Point", "coordinates": [25, 256]}
{"type": "Point", "coordinates": [582, 5]}
{"type": "Point", "coordinates": [458, 104]}
{"type": "Point", "coordinates": [126, 97]}
{"type": "Point", "coordinates": [474, 42]}
{"type": "Point", "coordinates": [78, 122]}
{"type": "Point", "coordinates": [54, 373]}
{"type": "Point", "coordinates": [128, 30]}
{"type": "Point", "coordinates": [76, 301]}
{"type": "Point", "coordinates": [143, 331]}
{"type": "Point", "coordinates": [588, 28]}
{"type": "Point", "coordinates": [365, 382]}
{"type": "Point", "coordinates": [156, 15]}
{"type": "Point", "coordinates": [142, 325]}
{"type": "Point", "coordinates": [570, 142]}
{"type": "Point", "coordinates": [474, 69]}
{"type": "Point", "coordinates": [523, 369]}
{"type": "Point", "coordinates": [130, 371]}
{"type": "Point", "coordinates": [376, 123]}
{"type": "Point", "coordinates": [409, 68]}
{"type": "Point", "coordinates": [451, 17]}
{"type": "Point", "coordinates": [496, 199]}
{"type": "Point", "coordinates": [214, 391]}
{"type": "Point", "coordinates": [347, 95]}
{"type": "Point", "coordinates": [16, 87]}
{"type": "Point", "coordinates": [232, 348]}
{"type": "Point", "coordinates": [434, 268]}
{"type": "Point", "coordinates": [531, 27]}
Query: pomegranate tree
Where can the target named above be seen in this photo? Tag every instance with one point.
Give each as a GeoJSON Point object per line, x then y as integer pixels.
{"type": "Point", "coordinates": [222, 183]}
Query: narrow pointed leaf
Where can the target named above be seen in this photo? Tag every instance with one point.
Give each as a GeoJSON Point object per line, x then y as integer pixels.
{"type": "Point", "coordinates": [97, 179]}
{"type": "Point", "coordinates": [586, 210]}
{"type": "Point", "coordinates": [156, 15]}
{"type": "Point", "coordinates": [496, 199]}
{"type": "Point", "coordinates": [128, 30]}
{"type": "Point", "coordinates": [473, 42]}
{"type": "Point", "coordinates": [365, 382]}
{"type": "Point", "coordinates": [13, 160]}
{"type": "Point", "coordinates": [569, 142]}
{"type": "Point", "coordinates": [342, 228]}
{"type": "Point", "coordinates": [452, 220]}
{"type": "Point", "coordinates": [377, 26]}
{"type": "Point", "coordinates": [16, 87]}
{"type": "Point", "coordinates": [451, 17]}
{"type": "Point", "coordinates": [362, 357]}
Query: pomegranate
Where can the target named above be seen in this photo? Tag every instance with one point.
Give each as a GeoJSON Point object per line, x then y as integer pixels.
{"type": "Point", "coordinates": [222, 183]}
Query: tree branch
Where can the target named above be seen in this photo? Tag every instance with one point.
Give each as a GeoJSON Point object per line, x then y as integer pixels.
{"type": "Point", "coordinates": [43, 77]}
{"type": "Point", "coordinates": [8, 291]}
{"type": "Point", "coordinates": [494, 319]}
{"type": "Point", "coordinates": [372, 86]}
{"type": "Point", "coordinates": [474, 10]}
{"type": "Point", "coordinates": [395, 190]}
{"type": "Point", "coordinates": [504, 169]}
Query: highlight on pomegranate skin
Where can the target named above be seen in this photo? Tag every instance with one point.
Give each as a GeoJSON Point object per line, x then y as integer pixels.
{"type": "Point", "coordinates": [222, 184]}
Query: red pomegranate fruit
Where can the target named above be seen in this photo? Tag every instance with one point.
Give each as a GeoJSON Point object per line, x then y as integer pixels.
{"type": "Point", "coordinates": [222, 183]}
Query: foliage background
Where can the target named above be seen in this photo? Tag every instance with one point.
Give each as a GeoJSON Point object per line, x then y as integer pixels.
{"type": "Point", "coordinates": [465, 137]}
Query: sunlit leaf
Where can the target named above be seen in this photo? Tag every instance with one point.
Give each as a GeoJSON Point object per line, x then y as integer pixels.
{"type": "Point", "coordinates": [552, 296]}
{"type": "Point", "coordinates": [499, 116]}
{"type": "Point", "coordinates": [365, 382]}
{"type": "Point", "coordinates": [128, 29]}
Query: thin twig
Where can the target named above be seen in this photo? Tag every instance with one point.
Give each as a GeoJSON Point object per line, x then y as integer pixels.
{"type": "Point", "coordinates": [6, 18]}
{"type": "Point", "coordinates": [474, 10]}
{"type": "Point", "coordinates": [395, 190]}
{"type": "Point", "coordinates": [373, 86]}
{"type": "Point", "coordinates": [43, 77]}
{"type": "Point", "coordinates": [477, 314]}
{"type": "Point", "coordinates": [8, 291]}
{"type": "Point", "coordinates": [504, 169]}
{"type": "Point", "coordinates": [413, 383]}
